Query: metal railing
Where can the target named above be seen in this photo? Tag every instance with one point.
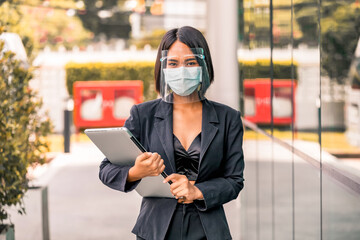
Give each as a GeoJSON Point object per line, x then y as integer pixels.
{"type": "Point", "coordinates": [348, 179]}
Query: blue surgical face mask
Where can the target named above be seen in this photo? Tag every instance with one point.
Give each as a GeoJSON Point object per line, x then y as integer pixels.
{"type": "Point", "coordinates": [183, 80]}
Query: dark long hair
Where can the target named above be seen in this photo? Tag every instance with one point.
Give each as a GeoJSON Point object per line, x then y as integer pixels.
{"type": "Point", "coordinates": [191, 37]}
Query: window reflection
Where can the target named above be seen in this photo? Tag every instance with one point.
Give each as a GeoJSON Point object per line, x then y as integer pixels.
{"type": "Point", "coordinates": [282, 104]}
{"type": "Point", "coordinates": [250, 103]}
{"type": "Point", "coordinates": [318, 101]}
{"type": "Point", "coordinates": [124, 100]}
{"type": "Point", "coordinates": [91, 105]}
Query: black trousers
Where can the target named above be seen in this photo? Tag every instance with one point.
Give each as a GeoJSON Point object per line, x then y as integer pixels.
{"type": "Point", "coordinates": [185, 224]}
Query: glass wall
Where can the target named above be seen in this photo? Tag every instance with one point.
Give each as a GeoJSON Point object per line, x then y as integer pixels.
{"type": "Point", "coordinates": [299, 78]}
{"type": "Point", "coordinates": [340, 98]}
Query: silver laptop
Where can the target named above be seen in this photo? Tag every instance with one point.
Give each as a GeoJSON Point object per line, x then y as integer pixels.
{"type": "Point", "coordinates": [122, 148]}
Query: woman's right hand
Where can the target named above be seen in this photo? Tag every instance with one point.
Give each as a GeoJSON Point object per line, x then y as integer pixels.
{"type": "Point", "coordinates": [146, 164]}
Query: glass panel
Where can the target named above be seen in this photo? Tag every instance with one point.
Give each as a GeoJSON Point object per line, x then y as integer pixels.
{"type": "Point", "coordinates": [282, 110]}
{"type": "Point", "coordinates": [340, 121]}
{"type": "Point", "coordinates": [261, 80]}
{"type": "Point", "coordinates": [263, 118]}
{"type": "Point", "coordinates": [341, 211]}
{"type": "Point", "coordinates": [91, 105]}
{"type": "Point", "coordinates": [250, 209]}
{"type": "Point", "coordinates": [249, 102]}
{"type": "Point", "coordinates": [282, 103]}
{"type": "Point", "coordinates": [265, 189]}
{"type": "Point", "coordinates": [288, 191]}
{"type": "Point", "coordinates": [306, 55]}
{"type": "Point", "coordinates": [124, 100]}
{"type": "Point", "coordinates": [250, 196]}
{"type": "Point", "coordinates": [307, 200]}
{"type": "Point", "coordinates": [255, 72]}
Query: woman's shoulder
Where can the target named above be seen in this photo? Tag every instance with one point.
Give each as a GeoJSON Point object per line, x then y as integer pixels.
{"type": "Point", "coordinates": [148, 106]}
{"type": "Point", "coordinates": [223, 108]}
{"type": "Point", "coordinates": [226, 114]}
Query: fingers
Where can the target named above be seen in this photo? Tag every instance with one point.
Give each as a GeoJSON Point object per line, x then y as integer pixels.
{"type": "Point", "coordinates": [148, 157]}
{"type": "Point", "coordinates": [154, 158]}
{"type": "Point", "coordinates": [143, 156]}
{"type": "Point", "coordinates": [160, 163]}
{"type": "Point", "coordinates": [178, 183]}
{"type": "Point", "coordinates": [173, 177]}
{"type": "Point", "coordinates": [181, 193]}
{"type": "Point", "coordinates": [162, 167]}
{"type": "Point", "coordinates": [182, 190]}
{"type": "Point", "coordinates": [150, 164]}
{"type": "Point", "coordinates": [180, 186]}
{"type": "Point", "coordinates": [184, 200]}
{"type": "Point", "coordinates": [155, 164]}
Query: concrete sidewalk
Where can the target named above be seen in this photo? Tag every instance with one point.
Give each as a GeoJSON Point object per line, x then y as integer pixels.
{"type": "Point", "coordinates": [80, 206]}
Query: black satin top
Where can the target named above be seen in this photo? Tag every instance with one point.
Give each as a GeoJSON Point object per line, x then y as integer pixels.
{"type": "Point", "coordinates": [187, 162]}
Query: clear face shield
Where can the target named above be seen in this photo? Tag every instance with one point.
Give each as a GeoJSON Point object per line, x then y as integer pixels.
{"type": "Point", "coordinates": [184, 76]}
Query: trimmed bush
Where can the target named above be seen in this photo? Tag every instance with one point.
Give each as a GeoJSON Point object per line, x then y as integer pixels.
{"type": "Point", "coordinates": [145, 71]}
{"type": "Point", "coordinates": [261, 69]}
{"type": "Point", "coordinates": [113, 71]}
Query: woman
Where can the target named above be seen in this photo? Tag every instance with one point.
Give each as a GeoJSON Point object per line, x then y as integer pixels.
{"type": "Point", "coordinates": [197, 142]}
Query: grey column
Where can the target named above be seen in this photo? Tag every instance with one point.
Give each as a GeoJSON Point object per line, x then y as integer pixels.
{"type": "Point", "coordinates": [222, 36]}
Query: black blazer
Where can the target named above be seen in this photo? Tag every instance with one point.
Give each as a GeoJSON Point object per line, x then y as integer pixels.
{"type": "Point", "coordinates": [221, 166]}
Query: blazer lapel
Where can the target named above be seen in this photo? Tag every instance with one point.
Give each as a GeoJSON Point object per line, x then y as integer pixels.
{"type": "Point", "coordinates": [208, 129]}
{"type": "Point", "coordinates": [164, 128]}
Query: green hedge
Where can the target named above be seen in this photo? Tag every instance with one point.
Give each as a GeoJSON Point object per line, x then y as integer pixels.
{"type": "Point", "coordinates": [261, 69]}
{"type": "Point", "coordinates": [113, 71]}
{"type": "Point", "coordinates": [145, 71]}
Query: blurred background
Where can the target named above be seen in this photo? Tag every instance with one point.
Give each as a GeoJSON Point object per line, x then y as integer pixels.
{"type": "Point", "coordinates": [291, 67]}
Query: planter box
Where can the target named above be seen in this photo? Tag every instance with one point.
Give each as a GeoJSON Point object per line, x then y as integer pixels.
{"type": "Point", "coordinates": [7, 233]}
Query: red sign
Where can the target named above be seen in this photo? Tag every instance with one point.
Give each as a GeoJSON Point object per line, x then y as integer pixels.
{"type": "Point", "coordinates": [257, 101]}
{"type": "Point", "coordinates": [105, 103]}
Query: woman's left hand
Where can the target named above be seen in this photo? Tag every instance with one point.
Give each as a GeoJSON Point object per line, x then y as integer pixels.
{"type": "Point", "coordinates": [183, 189]}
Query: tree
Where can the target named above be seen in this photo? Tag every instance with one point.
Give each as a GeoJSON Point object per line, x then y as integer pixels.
{"type": "Point", "coordinates": [306, 15]}
{"type": "Point", "coordinates": [153, 39]}
{"type": "Point", "coordinates": [340, 31]}
{"type": "Point", "coordinates": [39, 26]}
{"type": "Point", "coordinates": [22, 131]}
{"type": "Point", "coordinates": [106, 17]}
